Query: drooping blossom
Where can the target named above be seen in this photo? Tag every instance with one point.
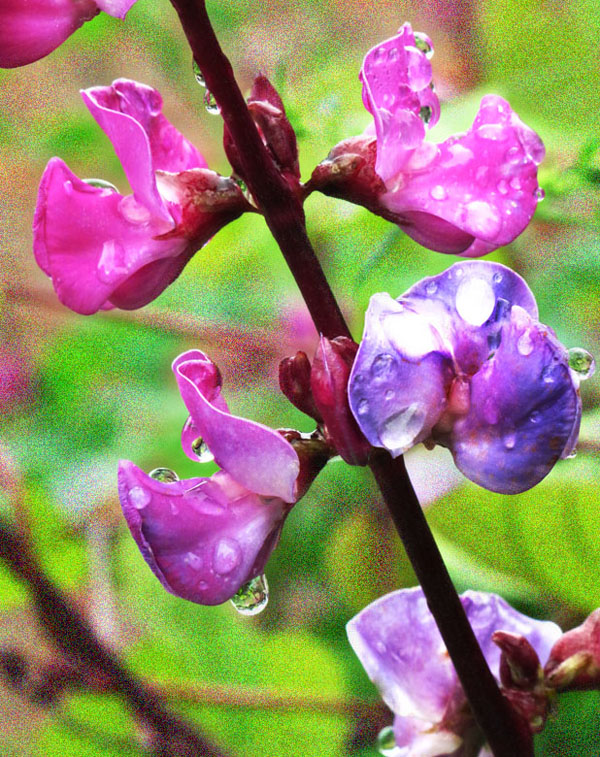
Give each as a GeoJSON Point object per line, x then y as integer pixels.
{"type": "Point", "coordinates": [461, 360]}
{"type": "Point", "coordinates": [31, 29]}
{"type": "Point", "coordinates": [467, 195]}
{"type": "Point", "coordinates": [204, 538]}
{"type": "Point", "coordinates": [398, 643]}
{"type": "Point", "coordinates": [103, 249]}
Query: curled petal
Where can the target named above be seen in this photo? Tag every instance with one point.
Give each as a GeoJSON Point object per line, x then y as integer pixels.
{"type": "Point", "coordinates": [396, 76]}
{"type": "Point", "coordinates": [401, 375]}
{"type": "Point", "coordinates": [93, 241]}
{"type": "Point", "coordinates": [481, 184]}
{"type": "Point", "coordinates": [33, 29]}
{"type": "Point", "coordinates": [203, 537]}
{"type": "Point", "coordinates": [524, 410]}
{"type": "Point", "coordinates": [256, 456]}
{"type": "Point", "coordinates": [130, 115]}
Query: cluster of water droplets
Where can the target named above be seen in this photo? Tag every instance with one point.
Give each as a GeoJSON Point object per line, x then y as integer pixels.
{"type": "Point", "coordinates": [252, 597]}
{"type": "Point", "coordinates": [209, 100]}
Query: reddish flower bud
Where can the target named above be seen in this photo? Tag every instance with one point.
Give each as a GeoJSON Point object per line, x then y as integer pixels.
{"type": "Point", "coordinates": [329, 381]}
{"type": "Point", "coordinates": [519, 664]}
{"type": "Point", "coordinates": [294, 380]}
{"type": "Point", "coordinates": [574, 662]}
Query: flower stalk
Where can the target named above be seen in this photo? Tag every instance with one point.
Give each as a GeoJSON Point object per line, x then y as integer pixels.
{"type": "Point", "coordinates": [285, 217]}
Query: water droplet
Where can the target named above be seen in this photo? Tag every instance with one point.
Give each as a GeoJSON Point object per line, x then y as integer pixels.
{"type": "Point", "coordinates": [535, 416]}
{"type": "Point", "coordinates": [227, 556]}
{"type": "Point", "coordinates": [459, 273]}
{"type": "Point", "coordinates": [582, 362]}
{"type": "Point", "coordinates": [101, 184]}
{"type": "Point", "coordinates": [494, 132]}
{"type": "Point", "coordinates": [166, 475]}
{"type": "Point", "coordinates": [502, 186]}
{"type": "Point", "coordinates": [363, 407]}
{"type": "Point", "coordinates": [252, 597]}
{"type": "Point", "coordinates": [510, 440]}
{"type": "Point", "coordinates": [497, 278]}
{"type": "Point", "coordinates": [393, 54]}
{"type": "Point", "coordinates": [425, 114]}
{"type": "Point", "coordinates": [198, 74]}
{"type": "Point", "coordinates": [571, 455]}
{"type": "Point", "coordinates": [193, 560]}
{"type": "Point", "coordinates": [112, 262]}
{"type": "Point", "coordinates": [490, 411]}
{"type": "Point", "coordinates": [515, 182]}
{"type": "Point", "coordinates": [390, 394]}
{"type": "Point", "coordinates": [525, 343]}
{"type": "Point", "coordinates": [482, 219]}
{"type": "Point", "coordinates": [201, 450]}
{"type": "Point", "coordinates": [423, 44]}
{"type": "Point", "coordinates": [513, 155]}
{"type": "Point", "coordinates": [174, 508]}
{"type": "Point", "coordinates": [139, 497]}
{"type": "Point", "coordinates": [438, 192]}
{"type": "Point", "coordinates": [386, 741]}
{"type": "Point", "coordinates": [547, 374]}
{"type": "Point", "coordinates": [431, 288]}
{"type": "Point", "coordinates": [381, 646]}
{"type": "Point", "coordinates": [68, 187]}
{"type": "Point", "coordinates": [133, 211]}
{"type": "Point", "coordinates": [400, 430]}
{"type": "Point", "coordinates": [475, 301]}
{"type": "Point", "coordinates": [539, 194]}
{"type": "Point", "coordinates": [381, 366]}
{"type": "Point", "coordinates": [211, 105]}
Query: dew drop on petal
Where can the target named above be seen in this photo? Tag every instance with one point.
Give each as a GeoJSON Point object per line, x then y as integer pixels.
{"type": "Point", "coordinates": [252, 597]}
{"type": "Point", "coordinates": [431, 288]}
{"type": "Point", "coordinates": [535, 416]}
{"type": "Point", "coordinates": [581, 362]}
{"type": "Point", "coordinates": [139, 497]}
{"type": "Point", "coordinates": [482, 219]}
{"type": "Point", "coordinates": [400, 430]}
{"type": "Point", "coordinates": [539, 194]}
{"type": "Point", "coordinates": [112, 262]}
{"type": "Point", "coordinates": [571, 455]}
{"type": "Point", "coordinates": [493, 132]}
{"type": "Point", "coordinates": [548, 374]}
{"type": "Point", "coordinates": [497, 278]}
{"type": "Point", "coordinates": [211, 105]}
{"type": "Point", "coordinates": [490, 411]}
{"type": "Point", "coordinates": [525, 343]}
{"type": "Point", "coordinates": [423, 44]}
{"type": "Point", "coordinates": [425, 114]}
{"type": "Point", "coordinates": [513, 155]}
{"type": "Point", "coordinates": [380, 367]}
{"type": "Point", "coordinates": [475, 301]}
{"type": "Point", "coordinates": [227, 556]}
{"type": "Point", "coordinates": [165, 475]}
{"type": "Point", "coordinates": [100, 184]}
{"type": "Point", "coordinates": [363, 407]}
{"type": "Point", "coordinates": [438, 192]}
{"type": "Point", "coordinates": [201, 450]}
{"type": "Point", "coordinates": [386, 741]}
{"type": "Point", "coordinates": [68, 187]}
{"type": "Point", "coordinates": [418, 70]}
{"type": "Point", "coordinates": [133, 211]}
{"type": "Point", "coordinates": [390, 394]}
{"type": "Point", "coordinates": [510, 440]}
{"type": "Point", "coordinates": [502, 186]}
{"type": "Point", "coordinates": [193, 560]}
{"type": "Point", "coordinates": [199, 76]}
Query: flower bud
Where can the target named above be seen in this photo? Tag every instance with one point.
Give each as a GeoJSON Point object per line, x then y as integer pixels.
{"type": "Point", "coordinates": [574, 661]}
{"type": "Point", "coordinates": [294, 380]}
{"type": "Point", "coordinates": [329, 381]}
{"type": "Point", "coordinates": [519, 662]}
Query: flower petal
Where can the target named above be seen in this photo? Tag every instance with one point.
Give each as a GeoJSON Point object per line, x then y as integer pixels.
{"type": "Point", "coordinates": [401, 375]}
{"type": "Point", "coordinates": [525, 408]}
{"type": "Point", "coordinates": [203, 537]}
{"type": "Point", "coordinates": [31, 30]}
{"type": "Point", "coordinates": [396, 76]}
{"type": "Point", "coordinates": [130, 115]}
{"type": "Point", "coordinates": [254, 455]}
{"type": "Point", "coordinates": [92, 241]}
{"type": "Point", "coordinates": [482, 183]}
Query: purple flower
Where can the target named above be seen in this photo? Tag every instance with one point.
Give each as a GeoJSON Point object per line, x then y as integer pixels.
{"type": "Point", "coordinates": [400, 647]}
{"type": "Point", "coordinates": [461, 360]}
{"type": "Point", "coordinates": [103, 249]}
{"type": "Point", "coordinates": [204, 538]}
{"type": "Point", "coordinates": [31, 29]}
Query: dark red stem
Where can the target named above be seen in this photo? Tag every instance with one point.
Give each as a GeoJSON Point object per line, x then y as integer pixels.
{"type": "Point", "coordinates": [285, 217]}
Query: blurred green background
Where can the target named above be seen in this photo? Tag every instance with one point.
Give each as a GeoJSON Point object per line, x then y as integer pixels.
{"type": "Point", "coordinates": [100, 388]}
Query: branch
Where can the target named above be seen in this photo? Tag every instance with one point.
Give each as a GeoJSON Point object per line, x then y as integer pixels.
{"type": "Point", "coordinates": [77, 640]}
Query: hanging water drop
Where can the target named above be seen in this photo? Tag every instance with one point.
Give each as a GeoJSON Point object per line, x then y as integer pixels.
{"type": "Point", "coordinates": [198, 74]}
{"type": "Point", "coordinates": [201, 450]}
{"type": "Point", "coordinates": [100, 184]}
{"type": "Point", "coordinates": [539, 194]}
{"type": "Point", "coordinates": [386, 741]}
{"type": "Point", "coordinates": [423, 44]}
{"type": "Point", "coordinates": [211, 105]}
{"type": "Point", "coordinates": [252, 597]}
{"type": "Point", "coordinates": [425, 114]}
{"type": "Point", "coordinates": [581, 362]}
{"type": "Point", "coordinates": [164, 475]}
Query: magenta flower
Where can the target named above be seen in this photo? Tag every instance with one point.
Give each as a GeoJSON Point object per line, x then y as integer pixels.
{"type": "Point", "coordinates": [31, 29]}
{"type": "Point", "coordinates": [204, 538]}
{"type": "Point", "coordinates": [461, 360]}
{"type": "Point", "coordinates": [398, 643]}
{"type": "Point", "coordinates": [103, 249]}
{"type": "Point", "coordinates": [467, 195]}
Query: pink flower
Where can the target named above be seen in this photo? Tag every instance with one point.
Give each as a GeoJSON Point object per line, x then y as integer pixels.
{"type": "Point", "coordinates": [103, 249]}
{"type": "Point", "coordinates": [204, 538]}
{"type": "Point", "coordinates": [31, 29]}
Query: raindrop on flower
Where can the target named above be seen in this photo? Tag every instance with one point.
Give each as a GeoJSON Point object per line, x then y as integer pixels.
{"type": "Point", "coordinates": [431, 288]}
{"type": "Point", "coordinates": [535, 416]}
{"type": "Point", "coordinates": [139, 497]}
{"type": "Point", "coordinates": [539, 194]}
{"type": "Point", "coordinates": [423, 44]}
{"type": "Point", "coordinates": [253, 597]}
{"type": "Point", "coordinates": [381, 365]}
{"type": "Point", "coordinates": [510, 441]}
{"type": "Point", "coordinates": [425, 114]}
{"type": "Point", "coordinates": [582, 362]}
{"type": "Point", "coordinates": [400, 430]}
{"type": "Point", "coordinates": [227, 556]}
{"type": "Point", "coordinates": [201, 450]}
{"type": "Point", "coordinates": [363, 407]}
{"type": "Point", "coordinates": [100, 184]}
{"type": "Point", "coordinates": [386, 741]}
{"type": "Point", "coordinates": [166, 475]}
{"type": "Point", "coordinates": [198, 74]}
{"type": "Point", "coordinates": [571, 455]}
{"type": "Point", "coordinates": [438, 192]}
{"type": "Point", "coordinates": [525, 344]}
{"type": "Point", "coordinates": [211, 104]}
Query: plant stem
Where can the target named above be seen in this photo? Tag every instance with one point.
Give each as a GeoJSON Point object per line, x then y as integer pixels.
{"type": "Point", "coordinates": [285, 217]}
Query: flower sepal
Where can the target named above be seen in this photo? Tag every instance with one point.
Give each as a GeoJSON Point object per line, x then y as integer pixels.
{"type": "Point", "coordinates": [574, 662]}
